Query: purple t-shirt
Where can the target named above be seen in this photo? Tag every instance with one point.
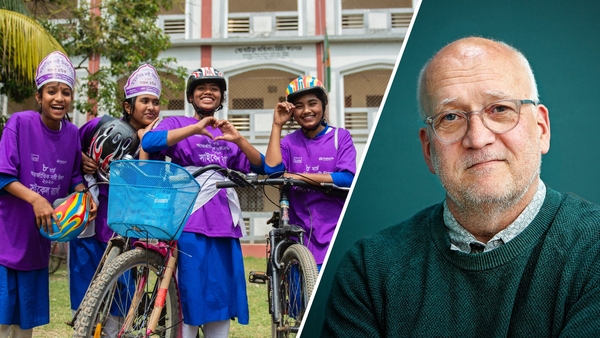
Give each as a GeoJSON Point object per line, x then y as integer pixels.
{"type": "Point", "coordinates": [317, 156]}
{"type": "Point", "coordinates": [45, 161]}
{"type": "Point", "coordinates": [103, 232]}
{"type": "Point", "coordinates": [214, 218]}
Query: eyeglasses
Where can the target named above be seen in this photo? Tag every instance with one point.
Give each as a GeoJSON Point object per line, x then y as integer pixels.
{"type": "Point", "coordinates": [500, 116]}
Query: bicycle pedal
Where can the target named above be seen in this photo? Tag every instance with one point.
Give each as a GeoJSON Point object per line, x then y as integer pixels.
{"type": "Point", "coordinates": [257, 277]}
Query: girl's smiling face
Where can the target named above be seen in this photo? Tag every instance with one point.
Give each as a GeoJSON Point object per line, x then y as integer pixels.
{"type": "Point", "coordinates": [55, 101]}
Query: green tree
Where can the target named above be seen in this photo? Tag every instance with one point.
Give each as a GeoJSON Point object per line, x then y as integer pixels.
{"type": "Point", "coordinates": [123, 33]}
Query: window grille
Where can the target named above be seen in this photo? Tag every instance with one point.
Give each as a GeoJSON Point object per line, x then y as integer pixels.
{"type": "Point", "coordinates": [348, 101]}
{"type": "Point", "coordinates": [374, 100]}
{"type": "Point", "coordinates": [356, 120]}
{"type": "Point", "coordinates": [176, 105]}
{"type": "Point", "coordinates": [261, 6]}
{"type": "Point", "coordinates": [286, 23]}
{"type": "Point", "coordinates": [238, 25]}
{"type": "Point", "coordinates": [175, 26]}
{"type": "Point", "coordinates": [370, 4]}
{"type": "Point", "coordinates": [251, 199]}
{"type": "Point", "coordinates": [350, 21]}
{"type": "Point", "coordinates": [247, 103]}
{"type": "Point", "coordinates": [401, 20]}
{"type": "Point", "coordinates": [241, 122]}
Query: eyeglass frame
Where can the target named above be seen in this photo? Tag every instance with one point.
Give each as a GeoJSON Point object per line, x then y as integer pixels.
{"type": "Point", "coordinates": [429, 120]}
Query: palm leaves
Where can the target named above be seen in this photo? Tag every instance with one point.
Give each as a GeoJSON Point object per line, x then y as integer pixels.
{"type": "Point", "coordinates": [23, 44]}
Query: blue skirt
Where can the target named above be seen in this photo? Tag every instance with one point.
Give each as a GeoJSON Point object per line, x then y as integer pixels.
{"type": "Point", "coordinates": [24, 297]}
{"type": "Point", "coordinates": [212, 281]}
{"type": "Point", "coordinates": [84, 256]}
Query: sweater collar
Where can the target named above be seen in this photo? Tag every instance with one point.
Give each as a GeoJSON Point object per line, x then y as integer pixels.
{"type": "Point", "coordinates": [525, 241]}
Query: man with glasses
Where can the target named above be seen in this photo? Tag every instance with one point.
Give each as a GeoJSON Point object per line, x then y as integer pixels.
{"type": "Point", "coordinates": [504, 255]}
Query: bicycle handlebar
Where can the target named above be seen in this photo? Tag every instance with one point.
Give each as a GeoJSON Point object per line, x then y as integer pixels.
{"type": "Point", "coordinates": [252, 180]}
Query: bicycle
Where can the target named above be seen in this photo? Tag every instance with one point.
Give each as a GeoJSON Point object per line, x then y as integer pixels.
{"type": "Point", "coordinates": [134, 292]}
{"type": "Point", "coordinates": [58, 255]}
{"type": "Point", "coordinates": [291, 269]}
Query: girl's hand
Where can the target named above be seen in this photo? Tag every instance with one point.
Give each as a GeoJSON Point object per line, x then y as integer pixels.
{"type": "Point", "coordinates": [141, 132]}
{"type": "Point", "coordinates": [44, 214]}
{"type": "Point", "coordinates": [283, 113]}
{"type": "Point", "coordinates": [94, 207]}
{"type": "Point", "coordinates": [205, 122]}
{"type": "Point", "coordinates": [87, 164]}
{"type": "Point", "coordinates": [230, 133]}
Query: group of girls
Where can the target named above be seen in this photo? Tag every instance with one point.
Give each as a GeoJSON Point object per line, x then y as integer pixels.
{"type": "Point", "coordinates": [211, 274]}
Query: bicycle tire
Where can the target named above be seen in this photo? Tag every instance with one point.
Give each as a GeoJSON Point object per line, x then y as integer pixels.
{"type": "Point", "coordinates": [55, 258]}
{"type": "Point", "coordinates": [294, 295]}
{"type": "Point", "coordinates": [103, 295]}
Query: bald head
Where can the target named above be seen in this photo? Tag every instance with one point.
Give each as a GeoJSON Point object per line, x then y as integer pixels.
{"type": "Point", "coordinates": [467, 56]}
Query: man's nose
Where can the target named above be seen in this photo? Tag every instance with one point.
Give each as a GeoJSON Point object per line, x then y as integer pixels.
{"type": "Point", "coordinates": [478, 135]}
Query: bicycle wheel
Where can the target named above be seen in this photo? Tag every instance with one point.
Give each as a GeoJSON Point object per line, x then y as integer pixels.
{"type": "Point", "coordinates": [55, 257]}
{"type": "Point", "coordinates": [295, 285]}
{"type": "Point", "coordinates": [130, 281]}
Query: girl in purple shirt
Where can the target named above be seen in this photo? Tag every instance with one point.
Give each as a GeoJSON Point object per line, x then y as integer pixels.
{"type": "Point", "coordinates": [40, 159]}
{"type": "Point", "coordinates": [211, 272]}
{"type": "Point", "coordinates": [141, 109]}
{"type": "Point", "coordinates": [315, 153]}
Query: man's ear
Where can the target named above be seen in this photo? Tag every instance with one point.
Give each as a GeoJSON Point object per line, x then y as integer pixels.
{"type": "Point", "coordinates": [426, 148]}
{"type": "Point", "coordinates": [543, 123]}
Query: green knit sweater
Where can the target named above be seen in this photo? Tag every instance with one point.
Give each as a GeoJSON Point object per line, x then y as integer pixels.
{"type": "Point", "coordinates": [406, 282]}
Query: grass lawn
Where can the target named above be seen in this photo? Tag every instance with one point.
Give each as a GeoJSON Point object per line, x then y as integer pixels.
{"type": "Point", "coordinates": [60, 311]}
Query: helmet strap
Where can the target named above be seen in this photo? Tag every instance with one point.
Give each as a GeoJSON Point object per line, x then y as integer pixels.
{"type": "Point", "coordinates": [321, 123]}
{"type": "Point", "coordinates": [203, 113]}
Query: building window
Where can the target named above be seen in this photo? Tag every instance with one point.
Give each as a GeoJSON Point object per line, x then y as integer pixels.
{"type": "Point", "coordinates": [238, 25]}
{"type": "Point", "coordinates": [366, 88]}
{"type": "Point", "coordinates": [245, 6]}
{"type": "Point", "coordinates": [175, 104]}
{"type": "Point", "coordinates": [374, 100]}
{"type": "Point", "coordinates": [177, 7]}
{"type": "Point", "coordinates": [370, 4]}
{"type": "Point", "coordinates": [246, 103]}
{"type": "Point", "coordinates": [348, 101]}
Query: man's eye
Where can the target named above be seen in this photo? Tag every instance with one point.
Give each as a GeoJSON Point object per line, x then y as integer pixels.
{"type": "Point", "coordinates": [499, 109]}
{"type": "Point", "coordinates": [450, 117]}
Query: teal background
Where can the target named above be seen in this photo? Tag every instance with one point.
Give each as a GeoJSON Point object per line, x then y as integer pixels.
{"type": "Point", "coordinates": [561, 40]}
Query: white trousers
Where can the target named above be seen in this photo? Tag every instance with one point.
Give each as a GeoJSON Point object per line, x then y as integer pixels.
{"type": "Point", "coordinates": [14, 331]}
{"type": "Point", "coordinates": [218, 329]}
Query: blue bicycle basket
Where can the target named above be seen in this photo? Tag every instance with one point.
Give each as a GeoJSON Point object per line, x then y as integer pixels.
{"type": "Point", "coordinates": [150, 199]}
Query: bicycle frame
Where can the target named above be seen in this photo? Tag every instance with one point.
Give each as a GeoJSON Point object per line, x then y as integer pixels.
{"type": "Point", "coordinates": [280, 238]}
{"type": "Point", "coordinates": [166, 264]}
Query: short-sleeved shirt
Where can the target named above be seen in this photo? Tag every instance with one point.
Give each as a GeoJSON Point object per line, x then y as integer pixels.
{"type": "Point", "coordinates": [46, 161]}
{"type": "Point", "coordinates": [327, 153]}
{"type": "Point", "coordinates": [103, 232]}
{"type": "Point", "coordinates": [214, 218]}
